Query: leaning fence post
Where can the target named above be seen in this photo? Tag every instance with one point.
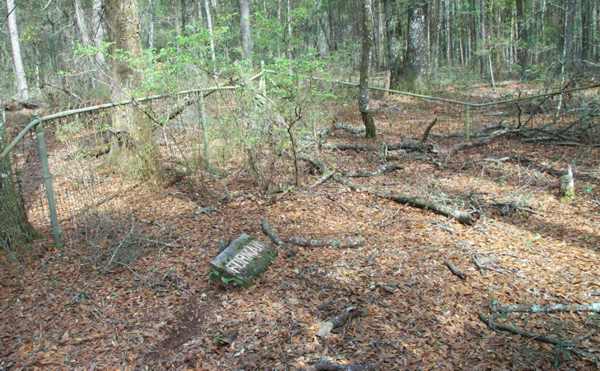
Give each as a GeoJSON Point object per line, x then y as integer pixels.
{"type": "Point", "coordinates": [48, 184]}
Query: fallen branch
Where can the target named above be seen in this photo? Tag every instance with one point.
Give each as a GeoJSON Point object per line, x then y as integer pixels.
{"type": "Point", "coordinates": [344, 243]}
{"type": "Point", "coordinates": [324, 365]}
{"type": "Point", "coordinates": [338, 321]}
{"type": "Point", "coordinates": [541, 338]}
{"type": "Point", "coordinates": [349, 128]}
{"type": "Point", "coordinates": [408, 145]}
{"type": "Point", "coordinates": [461, 216]}
{"type": "Point", "coordinates": [428, 130]}
{"type": "Point", "coordinates": [417, 202]}
{"type": "Point", "coordinates": [455, 271]}
{"type": "Point", "coordinates": [270, 232]}
{"type": "Point", "coordinates": [547, 308]}
{"type": "Point", "coordinates": [383, 169]}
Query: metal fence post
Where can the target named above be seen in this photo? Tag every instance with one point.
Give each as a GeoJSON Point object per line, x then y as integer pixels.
{"type": "Point", "coordinates": [262, 84]}
{"type": "Point", "coordinates": [43, 154]}
{"type": "Point", "coordinates": [203, 125]}
{"type": "Point", "coordinates": [467, 129]}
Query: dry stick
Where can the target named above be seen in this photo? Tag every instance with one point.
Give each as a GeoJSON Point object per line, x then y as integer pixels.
{"type": "Point", "coordinates": [541, 338]}
{"type": "Point", "coordinates": [270, 232]}
{"type": "Point", "coordinates": [428, 130]}
{"type": "Point", "coordinates": [417, 202]}
{"type": "Point", "coordinates": [383, 169]}
{"type": "Point", "coordinates": [547, 308]}
{"type": "Point", "coordinates": [349, 128]}
{"type": "Point", "coordinates": [455, 270]}
{"type": "Point", "coordinates": [325, 365]}
{"type": "Point", "coordinates": [344, 243]}
{"type": "Point", "coordinates": [461, 216]}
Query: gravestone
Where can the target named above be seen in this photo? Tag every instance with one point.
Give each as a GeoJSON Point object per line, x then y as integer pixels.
{"type": "Point", "coordinates": [244, 259]}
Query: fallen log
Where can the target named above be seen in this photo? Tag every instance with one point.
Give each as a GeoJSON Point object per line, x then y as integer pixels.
{"type": "Point", "coordinates": [546, 308]}
{"type": "Point", "coordinates": [344, 243]}
{"type": "Point", "coordinates": [455, 271]}
{"type": "Point", "coordinates": [541, 338]}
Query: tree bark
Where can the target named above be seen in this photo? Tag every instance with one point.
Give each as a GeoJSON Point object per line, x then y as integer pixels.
{"type": "Point", "coordinates": [124, 32]}
{"type": "Point", "coordinates": [522, 34]}
{"type": "Point", "coordinates": [367, 42]}
{"type": "Point", "coordinates": [22, 89]}
{"type": "Point", "coordinates": [213, 55]}
{"type": "Point", "coordinates": [411, 72]}
{"type": "Point", "coordinates": [14, 225]}
{"type": "Point", "coordinates": [98, 32]}
{"type": "Point", "coordinates": [245, 31]}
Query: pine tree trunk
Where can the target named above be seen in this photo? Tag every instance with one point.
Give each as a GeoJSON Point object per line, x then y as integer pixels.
{"type": "Point", "coordinates": [213, 55]}
{"type": "Point", "coordinates": [15, 229]}
{"type": "Point", "coordinates": [22, 89]}
{"type": "Point", "coordinates": [135, 131]}
{"type": "Point", "coordinates": [522, 35]}
{"type": "Point", "coordinates": [367, 43]}
{"type": "Point", "coordinates": [245, 31]}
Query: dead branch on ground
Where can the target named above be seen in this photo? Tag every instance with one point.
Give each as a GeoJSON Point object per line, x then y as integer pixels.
{"type": "Point", "coordinates": [383, 169]}
{"type": "Point", "coordinates": [541, 338]}
{"type": "Point", "coordinates": [455, 271]}
{"type": "Point", "coordinates": [428, 130]}
{"type": "Point", "coordinates": [417, 202]}
{"type": "Point", "coordinates": [342, 243]}
{"type": "Point", "coordinates": [546, 308]}
{"type": "Point", "coordinates": [324, 365]}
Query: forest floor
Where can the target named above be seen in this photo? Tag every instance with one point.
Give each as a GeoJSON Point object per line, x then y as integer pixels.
{"type": "Point", "coordinates": [161, 311]}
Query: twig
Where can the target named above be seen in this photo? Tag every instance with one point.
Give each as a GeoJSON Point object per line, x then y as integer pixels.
{"type": "Point", "coordinates": [428, 130]}
{"type": "Point", "coordinates": [348, 242]}
{"type": "Point", "coordinates": [455, 270]}
{"type": "Point", "coordinates": [324, 365]}
{"type": "Point", "coordinates": [270, 232]}
{"type": "Point", "coordinates": [383, 169]}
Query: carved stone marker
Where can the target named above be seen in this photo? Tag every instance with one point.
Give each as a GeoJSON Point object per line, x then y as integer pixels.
{"type": "Point", "coordinates": [243, 259]}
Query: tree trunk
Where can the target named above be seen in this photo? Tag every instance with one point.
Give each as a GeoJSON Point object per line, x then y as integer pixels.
{"type": "Point", "coordinates": [587, 35]}
{"type": "Point", "coordinates": [15, 229]}
{"type": "Point", "coordinates": [98, 32]}
{"type": "Point", "coordinates": [289, 29]}
{"type": "Point", "coordinates": [389, 32]}
{"type": "Point", "coordinates": [411, 72]}
{"type": "Point", "coordinates": [129, 120]}
{"type": "Point", "coordinates": [81, 23]}
{"type": "Point", "coordinates": [22, 89]}
{"type": "Point", "coordinates": [367, 42]}
{"type": "Point", "coordinates": [245, 32]}
{"type": "Point", "coordinates": [213, 55]}
{"type": "Point", "coordinates": [522, 35]}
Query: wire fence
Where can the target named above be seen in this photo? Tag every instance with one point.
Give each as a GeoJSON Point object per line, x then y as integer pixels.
{"type": "Point", "coordinates": [60, 163]}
